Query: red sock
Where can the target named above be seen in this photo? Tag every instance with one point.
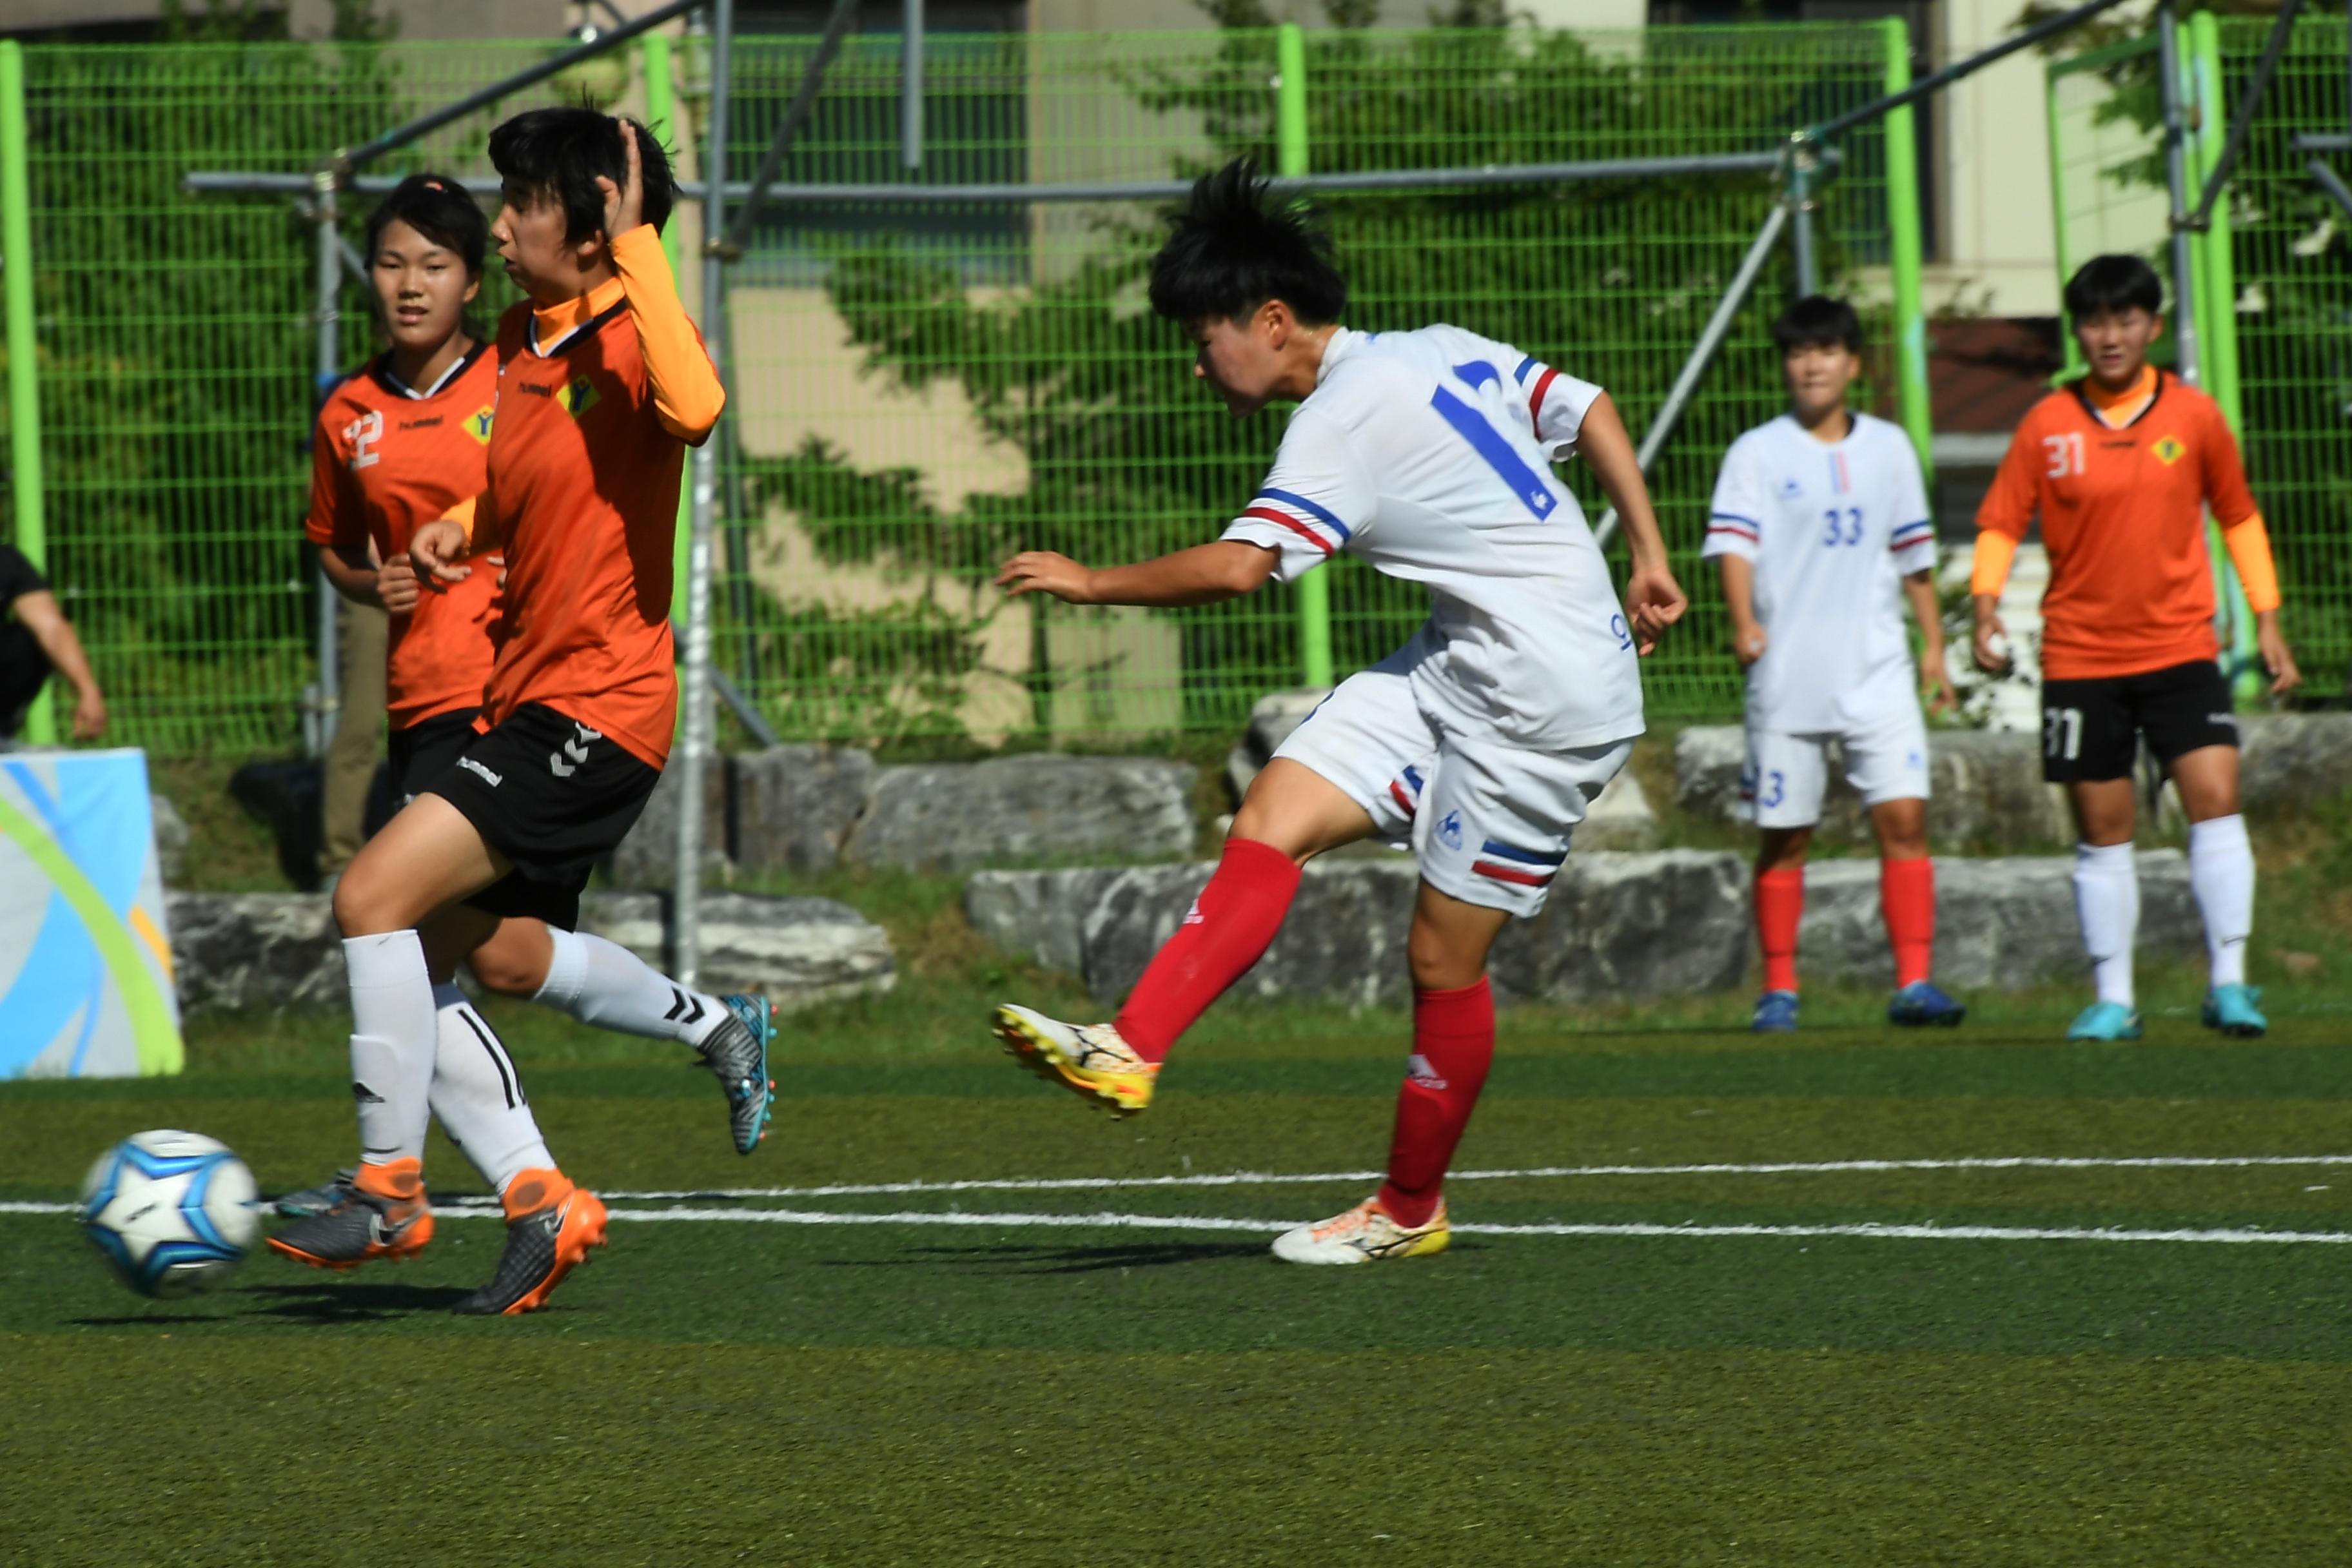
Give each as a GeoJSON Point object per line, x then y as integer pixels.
{"type": "Point", "coordinates": [1906, 894]}
{"type": "Point", "coordinates": [1453, 1045]}
{"type": "Point", "coordinates": [1229, 927]}
{"type": "Point", "coordinates": [1780, 905]}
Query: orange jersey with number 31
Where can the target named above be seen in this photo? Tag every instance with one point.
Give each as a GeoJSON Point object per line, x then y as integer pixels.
{"type": "Point", "coordinates": [2122, 519]}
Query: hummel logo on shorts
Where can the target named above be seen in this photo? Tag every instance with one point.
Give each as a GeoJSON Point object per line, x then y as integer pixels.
{"type": "Point", "coordinates": [472, 766]}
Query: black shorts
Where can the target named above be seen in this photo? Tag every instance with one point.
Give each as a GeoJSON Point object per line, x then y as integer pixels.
{"type": "Point", "coordinates": [552, 796]}
{"type": "Point", "coordinates": [2090, 729]}
{"type": "Point", "coordinates": [426, 750]}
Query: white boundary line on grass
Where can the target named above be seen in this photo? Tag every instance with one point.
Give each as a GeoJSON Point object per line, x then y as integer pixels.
{"type": "Point", "coordinates": [1290, 1178]}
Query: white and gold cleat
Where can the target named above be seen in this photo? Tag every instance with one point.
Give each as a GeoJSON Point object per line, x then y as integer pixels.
{"type": "Point", "coordinates": [1365, 1234]}
{"type": "Point", "coordinates": [1090, 1059]}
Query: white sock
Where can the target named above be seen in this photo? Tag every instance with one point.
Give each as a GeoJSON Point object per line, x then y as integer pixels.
{"type": "Point", "coordinates": [477, 1095]}
{"type": "Point", "coordinates": [2221, 873]}
{"type": "Point", "coordinates": [392, 1033]}
{"type": "Point", "coordinates": [2106, 896]}
{"type": "Point", "coordinates": [604, 984]}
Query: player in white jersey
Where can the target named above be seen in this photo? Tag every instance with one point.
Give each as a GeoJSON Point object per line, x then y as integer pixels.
{"type": "Point", "coordinates": [1819, 526]}
{"type": "Point", "coordinates": [1479, 743]}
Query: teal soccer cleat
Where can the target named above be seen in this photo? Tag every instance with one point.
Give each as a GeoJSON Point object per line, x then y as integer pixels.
{"type": "Point", "coordinates": [1921, 1006]}
{"type": "Point", "coordinates": [2232, 1010]}
{"type": "Point", "coordinates": [2106, 1021]}
{"type": "Point", "coordinates": [737, 1054]}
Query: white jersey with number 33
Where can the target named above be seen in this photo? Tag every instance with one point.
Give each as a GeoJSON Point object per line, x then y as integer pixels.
{"type": "Point", "coordinates": [1832, 529]}
{"type": "Point", "coordinates": [1428, 454]}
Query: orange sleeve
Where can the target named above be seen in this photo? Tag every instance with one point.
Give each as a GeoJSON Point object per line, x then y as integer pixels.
{"type": "Point", "coordinates": [338, 518]}
{"type": "Point", "coordinates": [2249, 543]}
{"type": "Point", "coordinates": [480, 521]}
{"type": "Point", "coordinates": [687, 394]}
{"type": "Point", "coordinates": [2226, 495]}
{"type": "Point", "coordinates": [1995, 551]}
{"type": "Point", "coordinates": [2016, 490]}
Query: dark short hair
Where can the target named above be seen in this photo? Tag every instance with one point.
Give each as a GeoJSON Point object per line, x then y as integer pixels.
{"type": "Point", "coordinates": [2109, 283]}
{"type": "Point", "coordinates": [1818, 322]}
{"type": "Point", "coordinates": [558, 154]}
{"type": "Point", "coordinates": [1234, 249]}
{"type": "Point", "coordinates": [438, 207]}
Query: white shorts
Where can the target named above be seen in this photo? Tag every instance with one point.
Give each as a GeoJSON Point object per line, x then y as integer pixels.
{"type": "Point", "coordinates": [1786, 774]}
{"type": "Point", "coordinates": [1490, 820]}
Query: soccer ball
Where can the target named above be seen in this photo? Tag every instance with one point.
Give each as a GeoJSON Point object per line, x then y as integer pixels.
{"type": "Point", "coordinates": [172, 1211]}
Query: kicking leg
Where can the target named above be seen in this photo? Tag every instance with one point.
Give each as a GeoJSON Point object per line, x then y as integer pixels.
{"type": "Point", "coordinates": [1292, 815]}
{"type": "Point", "coordinates": [428, 857]}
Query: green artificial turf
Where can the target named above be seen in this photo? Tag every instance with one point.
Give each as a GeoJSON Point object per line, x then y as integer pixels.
{"type": "Point", "coordinates": [1010, 1391]}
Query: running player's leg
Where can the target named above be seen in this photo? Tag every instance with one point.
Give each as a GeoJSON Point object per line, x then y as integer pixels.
{"type": "Point", "coordinates": [1497, 829]}
{"type": "Point", "coordinates": [1887, 765]}
{"type": "Point", "coordinates": [2187, 716]}
{"type": "Point", "coordinates": [1355, 769]}
{"type": "Point", "coordinates": [428, 858]}
{"type": "Point", "coordinates": [603, 985]}
{"type": "Point", "coordinates": [2089, 740]}
{"type": "Point", "coordinates": [1785, 780]}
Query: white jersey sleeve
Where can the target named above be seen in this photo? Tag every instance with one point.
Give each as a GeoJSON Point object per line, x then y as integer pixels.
{"type": "Point", "coordinates": [1314, 502]}
{"type": "Point", "coordinates": [1557, 405]}
{"type": "Point", "coordinates": [1735, 522]}
{"type": "Point", "coordinates": [1914, 540]}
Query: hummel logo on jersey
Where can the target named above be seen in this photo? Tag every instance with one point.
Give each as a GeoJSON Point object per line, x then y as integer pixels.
{"type": "Point", "coordinates": [474, 767]}
{"type": "Point", "coordinates": [1418, 1071]}
{"type": "Point", "coordinates": [1449, 831]}
{"type": "Point", "coordinates": [2228, 721]}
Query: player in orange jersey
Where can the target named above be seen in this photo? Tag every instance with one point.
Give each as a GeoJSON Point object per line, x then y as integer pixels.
{"type": "Point", "coordinates": [398, 444]}
{"type": "Point", "coordinates": [601, 384]}
{"type": "Point", "coordinates": [2121, 465]}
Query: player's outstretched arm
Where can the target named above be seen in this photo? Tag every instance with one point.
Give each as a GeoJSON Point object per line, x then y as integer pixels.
{"type": "Point", "coordinates": [1204, 574]}
{"type": "Point", "coordinates": [1653, 600]}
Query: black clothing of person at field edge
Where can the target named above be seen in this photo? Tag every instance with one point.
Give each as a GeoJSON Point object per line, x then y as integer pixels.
{"type": "Point", "coordinates": [23, 667]}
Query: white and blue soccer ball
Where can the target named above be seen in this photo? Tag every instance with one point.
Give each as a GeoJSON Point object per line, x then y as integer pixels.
{"type": "Point", "coordinates": [172, 1211]}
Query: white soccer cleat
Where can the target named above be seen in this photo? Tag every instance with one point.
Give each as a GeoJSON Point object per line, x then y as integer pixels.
{"type": "Point", "coordinates": [1365, 1234]}
{"type": "Point", "coordinates": [1090, 1059]}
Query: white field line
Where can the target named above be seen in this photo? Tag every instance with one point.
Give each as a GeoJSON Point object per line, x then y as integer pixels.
{"type": "Point", "coordinates": [1289, 1178]}
{"type": "Point", "coordinates": [1866, 1230]}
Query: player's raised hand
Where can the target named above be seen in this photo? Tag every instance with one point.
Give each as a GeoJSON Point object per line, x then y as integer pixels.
{"type": "Point", "coordinates": [396, 585]}
{"type": "Point", "coordinates": [1653, 601]}
{"type": "Point", "coordinates": [435, 550]}
{"type": "Point", "coordinates": [2277, 657]}
{"type": "Point", "coordinates": [1043, 572]}
{"type": "Point", "coordinates": [624, 204]}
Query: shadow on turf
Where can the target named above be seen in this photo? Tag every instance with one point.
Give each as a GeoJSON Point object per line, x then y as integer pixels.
{"type": "Point", "coordinates": [1063, 1259]}
{"type": "Point", "coordinates": [331, 1301]}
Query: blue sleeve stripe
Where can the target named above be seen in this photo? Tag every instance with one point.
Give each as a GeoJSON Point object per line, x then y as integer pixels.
{"type": "Point", "coordinates": [1525, 857]}
{"type": "Point", "coordinates": [1318, 513]}
{"type": "Point", "coordinates": [1520, 375]}
{"type": "Point", "coordinates": [1909, 526]}
{"type": "Point", "coordinates": [1734, 517]}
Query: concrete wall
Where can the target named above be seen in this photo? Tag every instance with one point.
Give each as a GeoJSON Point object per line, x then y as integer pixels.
{"type": "Point", "coordinates": [2000, 245]}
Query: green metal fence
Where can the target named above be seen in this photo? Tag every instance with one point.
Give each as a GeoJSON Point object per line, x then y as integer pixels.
{"type": "Point", "coordinates": [917, 391]}
{"type": "Point", "coordinates": [2289, 302]}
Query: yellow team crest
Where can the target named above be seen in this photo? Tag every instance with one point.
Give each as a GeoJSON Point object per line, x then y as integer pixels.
{"type": "Point", "coordinates": [2168, 450]}
{"type": "Point", "coordinates": [478, 423]}
{"type": "Point", "coordinates": [579, 395]}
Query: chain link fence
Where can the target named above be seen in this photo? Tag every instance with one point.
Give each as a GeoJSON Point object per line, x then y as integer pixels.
{"type": "Point", "coordinates": [918, 389]}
